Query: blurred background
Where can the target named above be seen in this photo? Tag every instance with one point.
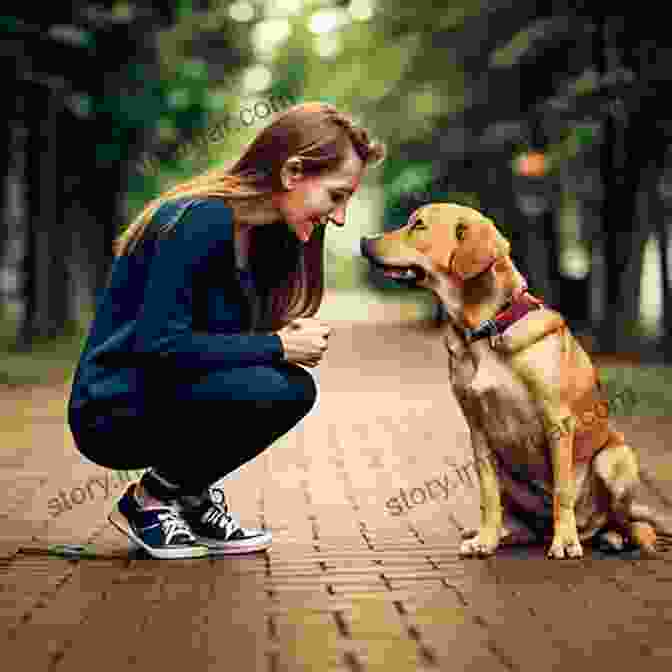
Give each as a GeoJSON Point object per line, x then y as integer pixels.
{"type": "Point", "coordinates": [546, 116]}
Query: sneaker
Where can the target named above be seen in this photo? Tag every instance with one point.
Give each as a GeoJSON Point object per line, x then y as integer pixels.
{"type": "Point", "coordinates": [160, 531]}
{"type": "Point", "coordinates": [215, 527]}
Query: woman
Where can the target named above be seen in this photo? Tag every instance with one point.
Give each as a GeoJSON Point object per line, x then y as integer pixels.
{"type": "Point", "coordinates": [194, 361]}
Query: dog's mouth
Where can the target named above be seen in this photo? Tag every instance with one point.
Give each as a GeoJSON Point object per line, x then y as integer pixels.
{"type": "Point", "coordinates": [404, 274]}
{"type": "Point", "coordinates": [414, 273]}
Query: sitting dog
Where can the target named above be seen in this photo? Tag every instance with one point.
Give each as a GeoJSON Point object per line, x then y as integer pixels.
{"type": "Point", "coordinates": [550, 465]}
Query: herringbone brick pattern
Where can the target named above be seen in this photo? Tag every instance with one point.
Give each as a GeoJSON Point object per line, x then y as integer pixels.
{"type": "Point", "coordinates": [365, 499]}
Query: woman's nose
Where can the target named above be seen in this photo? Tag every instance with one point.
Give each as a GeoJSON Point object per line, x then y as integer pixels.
{"type": "Point", "coordinates": [337, 217]}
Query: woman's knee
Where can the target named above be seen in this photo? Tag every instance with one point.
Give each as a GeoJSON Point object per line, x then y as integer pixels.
{"type": "Point", "coordinates": [109, 441]}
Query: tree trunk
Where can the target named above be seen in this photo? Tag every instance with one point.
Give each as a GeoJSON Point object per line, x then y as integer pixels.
{"type": "Point", "coordinates": [47, 311]}
{"type": "Point", "coordinates": [540, 249]}
{"type": "Point", "coordinates": [534, 245]}
{"type": "Point", "coordinates": [6, 145]}
{"type": "Point", "coordinates": [660, 214]}
{"type": "Point", "coordinates": [631, 141]}
{"type": "Point", "coordinates": [5, 142]}
{"type": "Point", "coordinates": [628, 149]}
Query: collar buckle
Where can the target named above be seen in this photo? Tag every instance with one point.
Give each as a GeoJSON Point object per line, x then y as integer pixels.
{"type": "Point", "coordinates": [486, 328]}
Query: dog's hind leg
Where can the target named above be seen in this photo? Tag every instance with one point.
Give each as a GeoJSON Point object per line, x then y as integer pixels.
{"type": "Point", "coordinates": [642, 512]}
{"type": "Point", "coordinates": [617, 467]}
{"type": "Point", "coordinates": [616, 464]}
{"type": "Point", "coordinates": [644, 515]}
{"type": "Point", "coordinates": [663, 524]}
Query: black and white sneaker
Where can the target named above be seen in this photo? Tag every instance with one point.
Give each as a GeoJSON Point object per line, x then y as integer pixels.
{"type": "Point", "coordinates": [160, 531]}
{"type": "Point", "coordinates": [216, 528]}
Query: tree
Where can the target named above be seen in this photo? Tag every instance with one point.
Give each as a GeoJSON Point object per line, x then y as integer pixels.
{"type": "Point", "coordinates": [518, 62]}
{"type": "Point", "coordinates": [75, 191]}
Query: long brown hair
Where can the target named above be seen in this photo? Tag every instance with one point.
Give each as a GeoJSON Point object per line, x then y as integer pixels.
{"type": "Point", "coordinates": [288, 275]}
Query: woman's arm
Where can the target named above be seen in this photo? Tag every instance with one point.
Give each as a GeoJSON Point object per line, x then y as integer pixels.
{"type": "Point", "coordinates": [164, 324]}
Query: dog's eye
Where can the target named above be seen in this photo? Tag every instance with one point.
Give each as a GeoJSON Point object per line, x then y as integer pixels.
{"type": "Point", "coordinates": [460, 230]}
{"type": "Point", "coordinates": [418, 224]}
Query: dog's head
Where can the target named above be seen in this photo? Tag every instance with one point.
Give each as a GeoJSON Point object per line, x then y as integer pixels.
{"type": "Point", "coordinates": [453, 250]}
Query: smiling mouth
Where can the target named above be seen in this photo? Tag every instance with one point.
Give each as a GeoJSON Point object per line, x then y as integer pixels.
{"type": "Point", "coordinates": [306, 229]}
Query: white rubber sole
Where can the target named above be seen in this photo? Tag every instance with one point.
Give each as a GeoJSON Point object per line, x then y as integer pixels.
{"type": "Point", "coordinates": [175, 553]}
{"type": "Point", "coordinates": [256, 544]}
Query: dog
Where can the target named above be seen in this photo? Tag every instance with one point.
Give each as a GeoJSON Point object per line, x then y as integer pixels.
{"type": "Point", "coordinates": [550, 465]}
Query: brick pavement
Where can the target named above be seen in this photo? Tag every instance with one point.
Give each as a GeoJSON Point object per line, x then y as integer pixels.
{"type": "Point", "coordinates": [355, 580]}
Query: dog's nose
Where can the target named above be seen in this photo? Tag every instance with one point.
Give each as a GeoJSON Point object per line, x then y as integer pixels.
{"type": "Point", "coordinates": [365, 244]}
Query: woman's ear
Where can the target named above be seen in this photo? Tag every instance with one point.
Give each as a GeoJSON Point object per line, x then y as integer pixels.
{"type": "Point", "coordinates": [291, 172]}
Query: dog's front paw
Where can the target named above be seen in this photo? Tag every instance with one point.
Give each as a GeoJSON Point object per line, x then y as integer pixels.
{"type": "Point", "coordinates": [484, 543]}
{"type": "Point", "coordinates": [565, 545]}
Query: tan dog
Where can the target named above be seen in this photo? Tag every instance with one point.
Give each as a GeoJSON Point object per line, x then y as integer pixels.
{"type": "Point", "coordinates": [545, 451]}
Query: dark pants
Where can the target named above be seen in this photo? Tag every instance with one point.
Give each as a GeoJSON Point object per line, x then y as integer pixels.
{"type": "Point", "coordinates": [196, 432]}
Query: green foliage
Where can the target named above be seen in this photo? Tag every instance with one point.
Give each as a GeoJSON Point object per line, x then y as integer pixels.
{"type": "Point", "coordinates": [410, 178]}
{"type": "Point", "coordinates": [183, 9]}
{"type": "Point", "coordinates": [290, 83]}
{"type": "Point", "coordinates": [176, 106]}
{"type": "Point", "coordinates": [640, 391]}
{"type": "Point", "coordinates": [48, 362]}
{"type": "Point", "coordinates": [186, 96]}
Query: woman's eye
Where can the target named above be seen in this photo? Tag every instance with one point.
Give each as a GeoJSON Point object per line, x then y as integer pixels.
{"type": "Point", "coordinates": [459, 231]}
{"type": "Point", "coordinates": [419, 225]}
{"type": "Point", "coordinates": [337, 196]}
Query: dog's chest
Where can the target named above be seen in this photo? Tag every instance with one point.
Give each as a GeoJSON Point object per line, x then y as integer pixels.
{"type": "Point", "coordinates": [494, 399]}
{"type": "Point", "coordinates": [492, 378]}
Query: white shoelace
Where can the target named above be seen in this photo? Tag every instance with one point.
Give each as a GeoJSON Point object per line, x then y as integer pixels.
{"type": "Point", "coordinates": [218, 513]}
{"type": "Point", "coordinates": [172, 524]}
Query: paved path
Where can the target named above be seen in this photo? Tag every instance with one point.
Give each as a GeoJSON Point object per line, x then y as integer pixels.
{"type": "Point", "coordinates": [365, 499]}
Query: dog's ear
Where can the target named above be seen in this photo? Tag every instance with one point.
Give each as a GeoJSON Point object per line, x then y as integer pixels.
{"type": "Point", "coordinates": [497, 245]}
{"type": "Point", "coordinates": [483, 245]}
{"type": "Point", "coordinates": [502, 245]}
{"type": "Point", "coordinates": [442, 249]}
{"type": "Point", "coordinates": [507, 275]}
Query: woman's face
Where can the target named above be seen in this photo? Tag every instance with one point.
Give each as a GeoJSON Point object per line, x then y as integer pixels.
{"type": "Point", "coordinates": [310, 199]}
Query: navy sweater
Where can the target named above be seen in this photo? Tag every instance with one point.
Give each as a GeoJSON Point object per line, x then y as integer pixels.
{"type": "Point", "coordinates": [173, 305]}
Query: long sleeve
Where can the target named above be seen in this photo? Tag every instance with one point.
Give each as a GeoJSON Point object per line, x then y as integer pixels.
{"type": "Point", "coordinates": [164, 323]}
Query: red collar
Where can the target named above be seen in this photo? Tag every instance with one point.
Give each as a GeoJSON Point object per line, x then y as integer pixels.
{"type": "Point", "coordinates": [516, 309]}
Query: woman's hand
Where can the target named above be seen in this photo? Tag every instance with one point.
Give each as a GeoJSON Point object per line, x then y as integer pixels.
{"type": "Point", "coordinates": [304, 341]}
